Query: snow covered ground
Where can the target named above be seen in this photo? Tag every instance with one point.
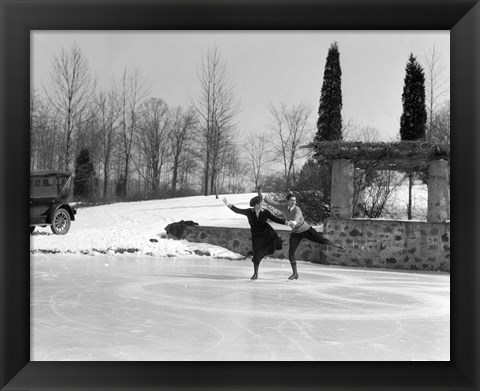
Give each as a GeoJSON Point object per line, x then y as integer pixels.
{"type": "Point", "coordinates": [127, 227]}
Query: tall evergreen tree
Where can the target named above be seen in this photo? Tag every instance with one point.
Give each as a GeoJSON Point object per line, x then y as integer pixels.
{"type": "Point", "coordinates": [84, 175]}
{"type": "Point", "coordinates": [329, 124]}
{"type": "Point", "coordinates": [414, 116]}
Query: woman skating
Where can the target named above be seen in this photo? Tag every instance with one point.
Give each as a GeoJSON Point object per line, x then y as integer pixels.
{"type": "Point", "coordinates": [264, 238]}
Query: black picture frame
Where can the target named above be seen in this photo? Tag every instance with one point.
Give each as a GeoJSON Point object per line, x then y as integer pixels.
{"type": "Point", "coordinates": [18, 18]}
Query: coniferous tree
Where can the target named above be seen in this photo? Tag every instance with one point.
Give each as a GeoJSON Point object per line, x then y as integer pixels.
{"type": "Point", "coordinates": [120, 186]}
{"type": "Point", "coordinates": [329, 124]}
{"type": "Point", "coordinates": [414, 116]}
{"type": "Point", "coordinates": [84, 175]}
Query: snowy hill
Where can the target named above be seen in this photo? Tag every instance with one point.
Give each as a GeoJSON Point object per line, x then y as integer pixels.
{"type": "Point", "coordinates": [127, 227]}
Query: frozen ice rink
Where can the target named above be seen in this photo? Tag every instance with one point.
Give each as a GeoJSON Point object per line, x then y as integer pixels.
{"type": "Point", "coordinates": [201, 308]}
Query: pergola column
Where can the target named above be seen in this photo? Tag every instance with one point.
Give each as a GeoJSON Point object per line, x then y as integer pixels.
{"type": "Point", "coordinates": [341, 202]}
{"type": "Point", "coordinates": [359, 190]}
{"type": "Point", "coordinates": [438, 194]}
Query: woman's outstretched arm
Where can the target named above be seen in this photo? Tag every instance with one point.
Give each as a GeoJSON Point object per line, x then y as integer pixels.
{"type": "Point", "coordinates": [234, 208]}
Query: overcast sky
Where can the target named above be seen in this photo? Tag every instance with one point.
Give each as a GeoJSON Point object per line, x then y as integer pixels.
{"type": "Point", "coordinates": [265, 67]}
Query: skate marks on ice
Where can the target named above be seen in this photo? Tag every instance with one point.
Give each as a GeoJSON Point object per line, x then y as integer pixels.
{"type": "Point", "coordinates": [316, 295]}
{"type": "Point", "coordinates": [205, 309]}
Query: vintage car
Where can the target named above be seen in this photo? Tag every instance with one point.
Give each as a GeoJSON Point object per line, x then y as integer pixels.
{"type": "Point", "coordinates": [50, 193]}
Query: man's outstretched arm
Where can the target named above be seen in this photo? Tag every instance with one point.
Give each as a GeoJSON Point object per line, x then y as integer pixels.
{"type": "Point", "coordinates": [269, 201]}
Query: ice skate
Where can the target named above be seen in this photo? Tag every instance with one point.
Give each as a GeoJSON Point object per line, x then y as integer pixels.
{"type": "Point", "coordinates": [294, 275]}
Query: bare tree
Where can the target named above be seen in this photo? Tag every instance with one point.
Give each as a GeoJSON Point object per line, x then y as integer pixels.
{"type": "Point", "coordinates": [234, 178]}
{"type": "Point", "coordinates": [152, 136]}
{"type": "Point", "coordinates": [34, 128]}
{"type": "Point", "coordinates": [383, 185]}
{"type": "Point", "coordinates": [291, 129]}
{"type": "Point", "coordinates": [437, 86]}
{"type": "Point", "coordinates": [182, 129]}
{"type": "Point", "coordinates": [440, 126]}
{"type": "Point", "coordinates": [365, 134]}
{"type": "Point", "coordinates": [228, 157]}
{"type": "Point", "coordinates": [45, 150]}
{"type": "Point", "coordinates": [216, 107]}
{"type": "Point", "coordinates": [257, 151]}
{"type": "Point", "coordinates": [71, 92]}
{"type": "Point", "coordinates": [188, 169]}
{"type": "Point", "coordinates": [132, 89]}
{"type": "Point", "coordinates": [108, 110]}
{"type": "Point", "coordinates": [350, 130]}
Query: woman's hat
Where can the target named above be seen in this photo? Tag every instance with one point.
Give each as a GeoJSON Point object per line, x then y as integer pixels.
{"type": "Point", "coordinates": [255, 200]}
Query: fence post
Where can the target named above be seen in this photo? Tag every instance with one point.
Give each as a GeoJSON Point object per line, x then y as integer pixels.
{"type": "Point", "coordinates": [341, 202]}
{"type": "Point", "coordinates": [438, 192]}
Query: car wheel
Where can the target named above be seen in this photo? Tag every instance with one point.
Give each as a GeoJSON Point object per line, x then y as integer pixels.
{"type": "Point", "coordinates": [32, 228]}
{"type": "Point", "coordinates": [61, 222]}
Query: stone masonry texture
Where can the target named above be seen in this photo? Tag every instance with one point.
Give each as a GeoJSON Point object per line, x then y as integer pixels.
{"type": "Point", "coordinates": [393, 244]}
{"type": "Point", "coordinates": [390, 244]}
{"type": "Point", "coordinates": [239, 240]}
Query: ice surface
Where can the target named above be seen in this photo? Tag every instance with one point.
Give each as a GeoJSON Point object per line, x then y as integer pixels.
{"type": "Point", "coordinates": [202, 308]}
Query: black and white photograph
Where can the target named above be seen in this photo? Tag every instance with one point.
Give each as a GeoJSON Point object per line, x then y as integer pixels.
{"type": "Point", "coordinates": [240, 195]}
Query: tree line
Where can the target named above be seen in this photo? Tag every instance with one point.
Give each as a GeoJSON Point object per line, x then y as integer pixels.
{"type": "Point", "coordinates": [122, 143]}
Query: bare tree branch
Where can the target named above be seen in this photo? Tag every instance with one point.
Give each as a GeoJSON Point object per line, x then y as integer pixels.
{"type": "Point", "coordinates": [291, 129]}
{"type": "Point", "coordinates": [71, 92]}
{"type": "Point", "coordinates": [216, 108]}
{"type": "Point", "coordinates": [132, 89]}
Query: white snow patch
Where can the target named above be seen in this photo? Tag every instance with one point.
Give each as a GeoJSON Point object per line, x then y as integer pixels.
{"type": "Point", "coordinates": [127, 227]}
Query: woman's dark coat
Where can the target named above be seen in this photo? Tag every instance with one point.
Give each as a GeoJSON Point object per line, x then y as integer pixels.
{"type": "Point", "coordinates": [264, 238]}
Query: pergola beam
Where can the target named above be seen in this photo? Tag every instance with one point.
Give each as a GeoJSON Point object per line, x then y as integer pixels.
{"type": "Point", "coordinates": [408, 156]}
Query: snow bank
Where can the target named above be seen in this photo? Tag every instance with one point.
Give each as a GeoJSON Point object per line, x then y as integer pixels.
{"type": "Point", "coordinates": [127, 227]}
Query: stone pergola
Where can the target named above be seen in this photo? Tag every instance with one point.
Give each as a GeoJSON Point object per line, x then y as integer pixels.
{"type": "Point", "coordinates": [349, 159]}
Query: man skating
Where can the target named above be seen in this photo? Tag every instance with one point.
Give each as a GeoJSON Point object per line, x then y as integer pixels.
{"type": "Point", "coordinates": [300, 228]}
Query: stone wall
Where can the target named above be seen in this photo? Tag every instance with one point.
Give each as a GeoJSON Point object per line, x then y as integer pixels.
{"type": "Point", "coordinates": [239, 240]}
{"type": "Point", "coordinates": [393, 244]}
{"type": "Point", "coordinates": [390, 244]}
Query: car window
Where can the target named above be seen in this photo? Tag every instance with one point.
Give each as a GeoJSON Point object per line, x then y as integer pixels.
{"type": "Point", "coordinates": [35, 183]}
{"type": "Point", "coordinates": [47, 182]}
{"type": "Point", "coordinates": [43, 187]}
